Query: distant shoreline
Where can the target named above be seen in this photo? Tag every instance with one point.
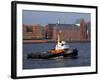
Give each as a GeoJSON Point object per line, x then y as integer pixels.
{"type": "Point", "coordinates": [50, 41]}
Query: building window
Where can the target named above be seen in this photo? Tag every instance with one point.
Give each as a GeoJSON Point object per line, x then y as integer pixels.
{"type": "Point", "coordinates": [29, 29]}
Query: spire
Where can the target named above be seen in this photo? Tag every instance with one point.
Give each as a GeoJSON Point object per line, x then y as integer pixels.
{"type": "Point", "coordinates": [58, 22]}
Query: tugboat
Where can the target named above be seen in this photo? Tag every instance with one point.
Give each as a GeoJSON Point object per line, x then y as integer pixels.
{"type": "Point", "coordinates": [61, 49]}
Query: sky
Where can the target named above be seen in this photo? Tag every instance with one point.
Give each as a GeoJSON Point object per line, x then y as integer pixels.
{"type": "Point", "coordinates": [31, 17]}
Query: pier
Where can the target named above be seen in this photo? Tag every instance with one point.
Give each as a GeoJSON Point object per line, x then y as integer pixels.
{"type": "Point", "coordinates": [50, 41]}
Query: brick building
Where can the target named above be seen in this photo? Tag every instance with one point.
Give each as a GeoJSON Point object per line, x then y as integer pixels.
{"type": "Point", "coordinates": [69, 32]}
{"type": "Point", "coordinates": [33, 31]}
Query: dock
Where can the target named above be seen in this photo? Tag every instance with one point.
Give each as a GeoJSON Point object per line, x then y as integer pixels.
{"type": "Point", "coordinates": [50, 41]}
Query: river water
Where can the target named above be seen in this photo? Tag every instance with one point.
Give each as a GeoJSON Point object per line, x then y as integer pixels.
{"type": "Point", "coordinates": [83, 58]}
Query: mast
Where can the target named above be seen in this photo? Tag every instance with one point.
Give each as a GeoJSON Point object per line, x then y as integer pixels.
{"type": "Point", "coordinates": [58, 38]}
{"type": "Point", "coordinates": [58, 34]}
